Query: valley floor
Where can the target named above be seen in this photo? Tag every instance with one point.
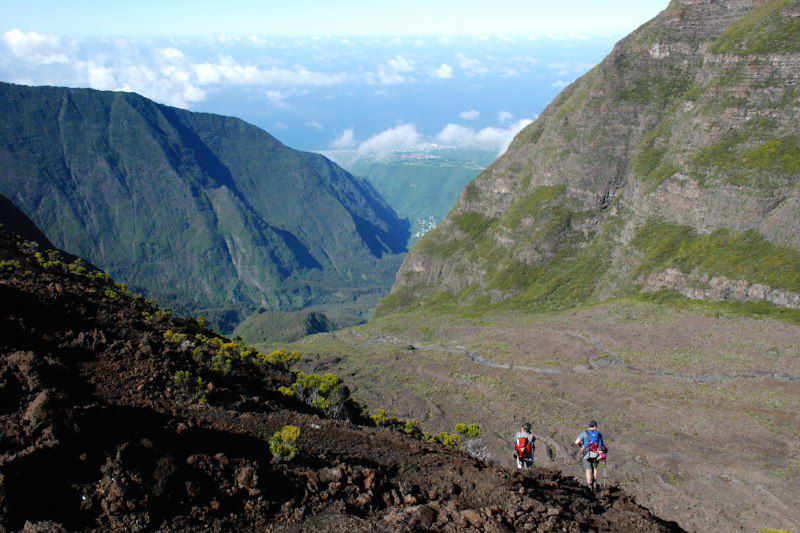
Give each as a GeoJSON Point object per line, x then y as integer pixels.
{"type": "Point", "coordinates": [699, 408]}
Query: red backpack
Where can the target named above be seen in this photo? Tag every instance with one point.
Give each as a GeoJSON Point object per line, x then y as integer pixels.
{"type": "Point", "coordinates": [524, 447]}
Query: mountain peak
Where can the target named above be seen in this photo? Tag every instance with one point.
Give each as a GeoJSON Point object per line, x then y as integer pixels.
{"type": "Point", "coordinates": [684, 137]}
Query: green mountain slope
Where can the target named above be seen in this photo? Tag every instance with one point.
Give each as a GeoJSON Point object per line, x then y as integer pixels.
{"type": "Point", "coordinates": [423, 185]}
{"type": "Point", "coordinates": [671, 167]}
{"type": "Point", "coordinates": [205, 213]}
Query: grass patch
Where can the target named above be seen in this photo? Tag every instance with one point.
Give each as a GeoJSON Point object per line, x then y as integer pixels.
{"type": "Point", "coordinates": [722, 309]}
{"type": "Point", "coordinates": [648, 164]}
{"type": "Point", "coordinates": [765, 30]}
{"type": "Point", "coordinates": [562, 283]}
{"type": "Point", "coordinates": [772, 158]}
{"type": "Point", "coordinates": [529, 204]}
{"type": "Point", "coordinates": [473, 224]}
{"type": "Point", "coordinates": [654, 87]}
{"type": "Point", "coordinates": [735, 255]}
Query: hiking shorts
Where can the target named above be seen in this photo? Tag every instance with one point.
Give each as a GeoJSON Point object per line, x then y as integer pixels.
{"type": "Point", "coordinates": [589, 464]}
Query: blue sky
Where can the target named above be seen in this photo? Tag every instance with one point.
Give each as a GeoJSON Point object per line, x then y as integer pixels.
{"type": "Point", "coordinates": [327, 75]}
{"type": "Point", "coordinates": [136, 18]}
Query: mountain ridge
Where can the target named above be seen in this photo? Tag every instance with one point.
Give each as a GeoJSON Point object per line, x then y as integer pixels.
{"type": "Point", "coordinates": [206, 213]}
{"type": "Point", "coordinates": [674, 131]}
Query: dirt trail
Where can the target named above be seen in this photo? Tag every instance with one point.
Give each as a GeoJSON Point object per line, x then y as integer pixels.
{"type": "Point", "coordinates": [607, 359]}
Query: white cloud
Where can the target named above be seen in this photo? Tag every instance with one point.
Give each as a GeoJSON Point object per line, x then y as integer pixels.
{"type": "Point", "coordinates": [170, 54]}
{"type": "Point", "coordinates": [401, 64]}
{"type": "Point", "coordinates": [560, 84]}
{"type": "Point", "coordinates": [472, 67]}
{"type": "Point", "coordinates": [395, 71]}
{"type": "Point", "coordinates": [397, 138]}
{"type": "Point", "coordinates": [314, 124]}
{"type": "Point", "coordinates": [165, 74]}
{"type": "Point", "coordinates": [345, 140]}
{"type": "Point", "coordinates": [35, 47]}
{"type": "Point", "coordinates": [277, 99]}
{"type": "Point", "coordinates": [490, 138]}
{"type": "Point", "coordinates": [226, 70]}
{"type": "Point", "coordinates": [444, 72]}
{"type": "Point", "coordinates": [469, 115]}
{"type": "Point", "coordinates": [504, 116]}
{"type": "Point", "coordinates": [100, 77]}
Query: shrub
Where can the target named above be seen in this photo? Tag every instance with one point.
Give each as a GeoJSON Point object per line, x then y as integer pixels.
{"type": "Point", "coordinates": [183, 380]}
{"type": "Point", "coordinates": [281, 358]}
{"type": "Point", "coordinates": [176, 338]}
{"type": "Point", "coordinates": [287, 391]}
{"type": "Point", "coordinates": [110, 294]}
{"type": "Point", "coordinates": [283, 444]}
{"type": "Point", "coordinates": [48, 260]}
{"type": "Point", "coordinates": [448, 440]}
{"type": "Point", "coordinates": [11, 264]}
{"type": "Point", "coordinates": [412, 428]}
{"type": "Point", "coordinates": [470, 431]}
{"type": "Point", "coordinates": [77, 267]}
{"type": "Point", "coordinates": [325, 392]}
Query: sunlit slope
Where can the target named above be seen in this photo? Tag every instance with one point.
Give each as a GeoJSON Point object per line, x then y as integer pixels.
{"type": "Point", "coordinates": [672, 166]}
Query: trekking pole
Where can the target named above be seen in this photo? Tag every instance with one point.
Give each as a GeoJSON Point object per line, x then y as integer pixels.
{"type": "Point", "coordinates": [605, 473]}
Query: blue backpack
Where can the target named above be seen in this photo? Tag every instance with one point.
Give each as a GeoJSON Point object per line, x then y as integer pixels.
{"type": "Point", "coordinates": [593, 444]}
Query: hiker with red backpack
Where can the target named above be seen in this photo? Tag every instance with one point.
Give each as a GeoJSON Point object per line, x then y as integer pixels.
{"type": "Point", "coordinates": [593, 452]}
{"type": "Point", "coordinates": [524, 447]}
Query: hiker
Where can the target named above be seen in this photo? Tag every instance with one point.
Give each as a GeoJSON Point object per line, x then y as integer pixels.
{"type": "Point", "coordinates": [593, 452]}
{"type": "Point", "coordinates": [524, 447]}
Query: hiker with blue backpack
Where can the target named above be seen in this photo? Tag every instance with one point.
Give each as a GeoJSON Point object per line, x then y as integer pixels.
{"type": "Point", "coordinates": [593, 452]}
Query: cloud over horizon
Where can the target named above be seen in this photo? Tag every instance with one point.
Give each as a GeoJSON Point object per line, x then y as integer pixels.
{"type": "Point", "coordinates": [167, 75]}
{"type": "Point", "coordinates": [405, 136]}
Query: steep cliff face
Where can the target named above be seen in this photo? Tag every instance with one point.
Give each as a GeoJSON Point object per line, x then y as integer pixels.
{"type": "Point", "coordinates": [206, 213]}
{"type": "Point", "coordinates": [672, 165]}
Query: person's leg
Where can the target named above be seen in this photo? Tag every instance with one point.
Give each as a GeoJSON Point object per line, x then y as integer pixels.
{"type": "Point", "coordinates": [587, 467]}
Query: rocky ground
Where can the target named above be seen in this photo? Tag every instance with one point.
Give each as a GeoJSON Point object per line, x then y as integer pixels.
{"type": "Point", "coordinates": [698, 404]}
{"type": "Point", "coordinates": [97, 432]}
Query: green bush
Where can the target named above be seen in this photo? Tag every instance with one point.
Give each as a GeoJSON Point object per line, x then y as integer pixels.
{"type": "Point", "coordinates": [176, 338]}
{"type": "Point", "coordinates": [325, 392]}
{"type": "Point", "coordinates": [181, 378]}
{"type": "Point", "coordinates": [283, 444]}
{"type": "Point", "coordinates": [448, 440]}
{"type": "Point", "coordinates": [411, 428]}
{"type": "Point", "coordinates": [470, 431]}
{"type": "Point", "coordinates": [196, 388]}
{"type": "Point", "coordinates": [281, 358]}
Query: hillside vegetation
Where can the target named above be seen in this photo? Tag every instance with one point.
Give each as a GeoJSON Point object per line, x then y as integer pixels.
{"type": "Point", "coordinates": [422, 185]}
{"type": "Point", "coordinates": [207, 214]}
